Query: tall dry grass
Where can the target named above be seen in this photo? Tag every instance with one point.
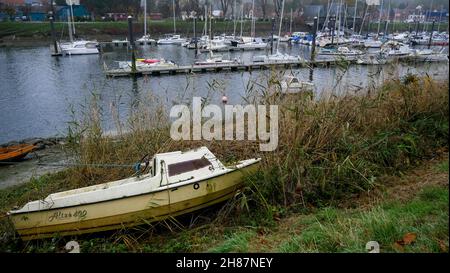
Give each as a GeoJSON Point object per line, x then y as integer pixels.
{"type": "Point", "coordinates": [329, 148]}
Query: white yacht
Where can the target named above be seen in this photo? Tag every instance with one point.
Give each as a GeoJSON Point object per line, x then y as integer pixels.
{"type": "Point", "coordinates": [396, 49]}
{"type": "Point", "coordinates": [251, 43]}
{"type": "Point", "coordinates": [171, 39]}
{"type": "Point", "coordinates": [216, 59]}
{"type": "Point", "coordinates": [277, 58]}
{"type": "Point", "coordinates": [80, 47]}
{"type": "Point", "coordinates": [293, 85]}
{"type": "Point", "coordinates": [145, 40]}
{"type": "Point", "coordinates": [341, 51]}
{"type": "Point", "coordinates": [371, 43]}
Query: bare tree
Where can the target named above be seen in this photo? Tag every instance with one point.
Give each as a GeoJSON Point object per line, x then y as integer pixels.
{"type": "Point", "coordinates": [277, 6]}
{"type": "Point", "coordinates": [263, 4]}
{"type": "Point", "coordinates": [238, 4]}
{"type": "Point", "coordinates": [225, 4]}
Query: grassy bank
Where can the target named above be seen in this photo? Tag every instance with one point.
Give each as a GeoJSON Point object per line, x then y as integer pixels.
{"type": "Point", "coordinates": [331, 152]}
{"type": "Point", "coordinates": [91, 29]}
{"type": "Point", "coordinates": [402, 26]}
{"type": "Point", "coordinates": [41, 30]}
{"type": "Point", "coordinates": [420, 214]}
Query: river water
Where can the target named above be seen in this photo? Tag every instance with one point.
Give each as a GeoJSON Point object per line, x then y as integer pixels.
{"type": "Point", "coordinates": [40, 94]}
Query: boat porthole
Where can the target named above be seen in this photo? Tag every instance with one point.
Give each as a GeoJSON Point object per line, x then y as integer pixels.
{"type": "Point", "coordinates": [196, 186]}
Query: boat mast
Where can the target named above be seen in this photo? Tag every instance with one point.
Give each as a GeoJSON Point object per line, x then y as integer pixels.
{"type": "Point", "coordinates": [425, 26]}
{"type": "Point", "coordinates": [328, 12]}
{"type": "Point", "coordinates": [234, 19]}
{"type": "Point", "coordinates": [354, 16]}
{"type": "Point", "coordinates": [281, 23]}
{"type": "Point", "coordinates": [242, 16]}
{"type": "Point", "coordinates": [364, 19]}
{"type": "Point", "coordinates": [440, 18]}
{"type": "Point", "coordinates": [145, 18]}
{"type": "Point", "coordinates": [253, 19]}
{"type": "Point", "coordinates": [379, 18]}
{"type": "Point", "coordinates": [210, 32]}
{"type": "Point", "coordinates": [290, 24]}
{"type": "Point", "coordinates": [344, 26]}
{"type": "Point", "coordinates": [210, 23]}
{"type": "Point", "coordinates": [339, 24]}
{"type": "Point", "coordinates": [205, 30]}
{"type": "Point", "coordinates": [174, 24]}
{"type": "Point", "coordinates": [73, 17]}
{"type": "Point", "coordinates": [69, 25]}
{"type": "Point", "coordinates": [388, 18]}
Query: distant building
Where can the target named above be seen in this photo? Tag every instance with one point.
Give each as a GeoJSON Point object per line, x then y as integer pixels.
{"type": "Point", "coordinates": [416, 18]}
{"type": "Point", "coordinates": [437, 15]}
{"type": "Point", "coordinates": [217, 13]}
{"type": "Point", "coordinates": [116, 16]}
{"type": "Point", "coordinates": [79, 11]}
{"type": "Point", "coordinates": [73, 2]}
{"type": "Point", "coordinates": [37, 16]}
{"type": "Point", "coordinates": [156, 16]}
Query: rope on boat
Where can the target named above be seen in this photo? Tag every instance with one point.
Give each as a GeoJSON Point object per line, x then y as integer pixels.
{"type": "Point", "coordinates": [136, 166]}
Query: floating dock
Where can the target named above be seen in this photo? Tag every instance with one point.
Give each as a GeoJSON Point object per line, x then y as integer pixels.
{"type": "Point", "coordinates": [123, 43]}
{"type": "Point", "coordinates": [187, 69]}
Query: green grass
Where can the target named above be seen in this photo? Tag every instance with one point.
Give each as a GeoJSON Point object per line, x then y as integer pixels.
{"type": "Point", "coordinates": [335, 230]}
{"type": "Point", "coordinates": [329, 150]}
{"type": "Point", "coordinates": [443, 166]}
{"type": "Point", "coordinates": [402, 26]}
{"type": "Point", "coordinates": [235, 242]}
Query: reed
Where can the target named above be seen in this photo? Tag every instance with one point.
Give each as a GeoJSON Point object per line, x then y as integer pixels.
{"type": "Point", "coordinates": [330, 148]}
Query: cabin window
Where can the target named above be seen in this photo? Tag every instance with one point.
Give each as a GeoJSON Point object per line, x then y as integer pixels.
{"type": "Point", "coordinates": [188, 166]}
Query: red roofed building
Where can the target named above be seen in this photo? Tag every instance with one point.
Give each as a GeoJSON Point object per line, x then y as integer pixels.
{"type": "Point", "coordinates": [13, 2]}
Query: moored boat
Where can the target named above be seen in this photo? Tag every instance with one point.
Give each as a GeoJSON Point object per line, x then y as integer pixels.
{"type": "Point", "coordinates": [293, 85]}
{"type": "Point", "coordinates": [176, 183]}
{"type": "Point", "coordinates": [15, 152]}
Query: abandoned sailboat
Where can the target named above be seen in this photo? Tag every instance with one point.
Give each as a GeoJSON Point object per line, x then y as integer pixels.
{"type": "Point", "coordinates": [176, 183]}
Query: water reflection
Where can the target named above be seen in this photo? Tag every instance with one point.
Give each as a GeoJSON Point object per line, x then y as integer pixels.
{"type": "Point", "coordinates": [38, 91]}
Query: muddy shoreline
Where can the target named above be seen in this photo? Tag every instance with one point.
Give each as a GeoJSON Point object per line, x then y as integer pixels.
{"type": "Point", "coordinates": [49, 157]}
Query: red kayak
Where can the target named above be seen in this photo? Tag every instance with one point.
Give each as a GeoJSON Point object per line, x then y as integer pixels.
{"type": "Point", "coordinates": [150, 61]}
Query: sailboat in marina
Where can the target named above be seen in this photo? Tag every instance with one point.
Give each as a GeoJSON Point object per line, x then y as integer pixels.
{"type": "Point", "coordinates": [278, 56]}
{"type": "Point", "coordinates": [287, 38]}
{"type": "Point", "coordinates": [214, 45]}
{"type": "Point", "coordinates": [172, 39]}
{"type": "Point", "coordinates": [252, 42]}
{"type": "Point", "coordinates": [145, 39]}
{"type": "Point", "coordinates": [76, 47]}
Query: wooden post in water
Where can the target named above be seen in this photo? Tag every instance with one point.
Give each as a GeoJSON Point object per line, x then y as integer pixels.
{"type": "Point", "coordinates": [431, 34]}
{"type": "Point", "coordinates": [195, 35]}
{"type": "Point", "coordinates": [313, 46]}
{"type": "Point", "coordinates": [313, 49]}
{"type": "Point", "coordinates": [271, 40]}
{"type": "Point", "coordinates": [52, 27]}
{"type": "Point", "coordinates": [131, 39]}
{"type": "Point", "coordinates": [333, 20]}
